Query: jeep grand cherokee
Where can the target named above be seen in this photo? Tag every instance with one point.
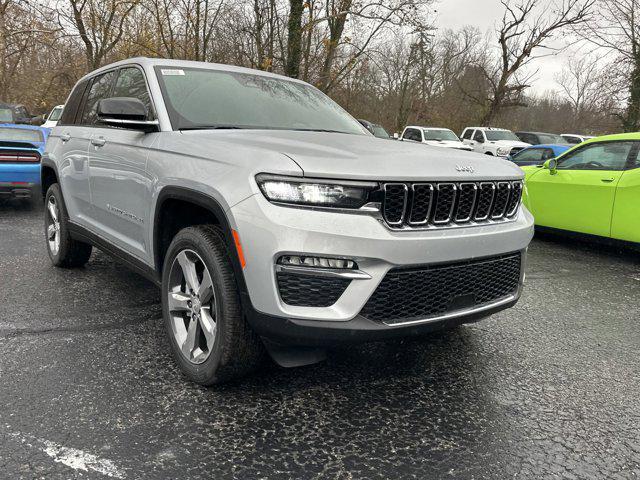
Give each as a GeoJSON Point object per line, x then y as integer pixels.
{"type": "Point", "coordinates": [271, 219]}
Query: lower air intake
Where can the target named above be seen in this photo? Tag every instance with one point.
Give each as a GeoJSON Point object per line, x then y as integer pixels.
{"type": "Point", "coordinates": [422, 292]}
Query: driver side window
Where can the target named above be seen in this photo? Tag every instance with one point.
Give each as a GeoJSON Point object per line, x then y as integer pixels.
{"type": "Point", "coordinates": [598, 156]}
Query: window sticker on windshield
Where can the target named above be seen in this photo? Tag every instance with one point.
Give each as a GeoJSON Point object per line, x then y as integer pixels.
{"type": "Point", "coordinates": [172, 71]}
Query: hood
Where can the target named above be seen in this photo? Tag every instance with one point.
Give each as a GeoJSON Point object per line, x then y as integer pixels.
{"type": "Point", "coordinates": [447, 144]}
{"type": "Point", "coordinates": [510, 143]}
{"type": "Point", "coordinates": [362, 157]}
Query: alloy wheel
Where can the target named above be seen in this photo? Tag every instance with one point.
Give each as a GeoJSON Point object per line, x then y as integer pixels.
{"type": "Point", "coordinates": [53, 225]}
{"type": "Point", "coordinates": [192, 306]}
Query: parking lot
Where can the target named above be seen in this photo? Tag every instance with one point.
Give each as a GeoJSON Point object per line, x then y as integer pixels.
{"type": "Point", "coordinates": [547, 389]}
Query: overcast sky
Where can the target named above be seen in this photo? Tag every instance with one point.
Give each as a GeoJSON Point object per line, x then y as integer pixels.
{"type": "Point", "coordinates": [486, 15]}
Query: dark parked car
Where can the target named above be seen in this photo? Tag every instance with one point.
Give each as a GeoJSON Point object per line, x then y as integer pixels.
{"type": "Point", "coordinates": [539, 138]}
{"type": "Point", "coordinates": [375, 129]}
{"type": "Point", "coordinates": [537, 154]}
{"type": "Point", "coordinates": [6, 113]}
{"type": "Point", "coordinates": [17, 113]}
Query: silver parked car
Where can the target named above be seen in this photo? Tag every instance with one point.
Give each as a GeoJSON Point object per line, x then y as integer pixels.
{"type": "Point", "coordinates": [271, 220]}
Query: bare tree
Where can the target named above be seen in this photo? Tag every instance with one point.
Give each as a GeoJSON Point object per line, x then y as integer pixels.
{"type": "Point", "coordinates": [616, 29]}
{"type": "Point", "coordinates": [584, 86]}
{"type": "Point", "coordinates": [100, 25]}
{"type": "Point", "coordinates": [522, 33]}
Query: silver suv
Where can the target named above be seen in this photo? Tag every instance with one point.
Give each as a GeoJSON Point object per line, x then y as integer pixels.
{"type": "Point", "coordinates": [271, 219]}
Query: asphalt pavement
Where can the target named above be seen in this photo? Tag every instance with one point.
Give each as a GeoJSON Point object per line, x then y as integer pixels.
{"type": "Point", "coordinates": [548, 389]}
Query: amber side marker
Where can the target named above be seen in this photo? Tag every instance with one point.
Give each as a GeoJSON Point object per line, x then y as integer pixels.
{"type": "Point", "coordinates": [236, 239]}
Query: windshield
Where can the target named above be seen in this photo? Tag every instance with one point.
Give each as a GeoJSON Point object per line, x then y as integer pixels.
{"type": "Point", "coordinates": [380, 132]}
{"type": "Point", "coordinates": [550, 138]}
{"type": "Point", "coordinates": [20, 135]}
{"type": "Point", "coordinates": [496, 135]}
{"type": "Point", "coordinates": [440, 135]}
{"type": "Point", "coordinates": [55, 114]}
{"type": "Point", "coordinates": [6, 115]}
{"type": "Point", "coordinates": [203, 98]}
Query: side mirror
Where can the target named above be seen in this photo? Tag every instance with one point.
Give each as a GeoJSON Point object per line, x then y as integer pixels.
{"type": "Point", "coordinates": [125, 112]}
{"type": "Point", "coordinates": [396, 136]}
{"type": "Point", "coordinates": [551, 165]}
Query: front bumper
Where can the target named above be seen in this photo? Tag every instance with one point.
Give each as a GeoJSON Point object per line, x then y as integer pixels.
{"type": "Point", "coordinates": [320, 333]}
{"type": "Point", "coordinates": [269, 231]}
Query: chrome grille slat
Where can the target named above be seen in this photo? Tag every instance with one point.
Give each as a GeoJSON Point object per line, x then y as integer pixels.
{"type": "Point", "coordinates": [421, 203]}
{"type": "Point", "coordinates": [445, 202]}
{"type": "Point", "coordinates": [395, 203]}
{"type": "Point", "coordinates": [465, 206]}
{"type": "Point", "coordinates": [426, 205]}
{"type": "Point", "coordinates": [485, 201]}
{"type": "Point", "coordinates": [514, 199]}
{"type": "Point", "coordinates": [501, 200]}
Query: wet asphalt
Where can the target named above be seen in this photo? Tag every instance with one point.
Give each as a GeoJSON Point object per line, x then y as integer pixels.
{"type": "Point", "coordinates": [548, 389]}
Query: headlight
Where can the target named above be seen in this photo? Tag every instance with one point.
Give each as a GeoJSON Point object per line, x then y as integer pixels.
{"type": "Point", "coordinates": [320, 193]}
{"type": "Point", "coordinates": [503, 151]}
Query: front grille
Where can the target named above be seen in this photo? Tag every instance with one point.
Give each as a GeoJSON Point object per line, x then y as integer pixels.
{"type": "Point", "coordinates": [418, 293]}
{"type": "Point", "coordinates": [309, 291]}
{"type": "Point", "coordinates": [441, 204]}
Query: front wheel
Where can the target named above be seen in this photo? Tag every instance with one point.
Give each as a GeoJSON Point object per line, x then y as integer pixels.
{"type": "Point", "coordinates": [210, 339]}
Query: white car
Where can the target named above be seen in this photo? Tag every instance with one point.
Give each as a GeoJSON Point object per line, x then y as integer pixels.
{"type": "Point", "coordinates": [498, 142]}
{"type": "Point", "coordinates": [437, 137]}
{"type": "Point", "coordinates": [575, 139]}
{"type": "Point", "coordinates": [54, 116]}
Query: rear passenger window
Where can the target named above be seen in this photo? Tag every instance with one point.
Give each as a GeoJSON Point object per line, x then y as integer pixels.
{"type": "Point", "coordinates": [478, 137]}
{"type": "Point", "coordinates": [100, 88]}
{"type": "Point", "coordinates": [131, 83]}
{"type": "Point", "coordinates": [73, 103]}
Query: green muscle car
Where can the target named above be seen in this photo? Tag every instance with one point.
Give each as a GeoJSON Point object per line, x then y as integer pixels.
{"type": "Point", "coordinates": [593, 189]}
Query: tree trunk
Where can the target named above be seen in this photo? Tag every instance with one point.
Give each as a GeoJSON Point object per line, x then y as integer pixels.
{"type": "Point", "coordinates": [294, 39]}
{"type": "Point", "coordinates": [337, 20]}
{"type": "Point", "coordinates": [631, 122]}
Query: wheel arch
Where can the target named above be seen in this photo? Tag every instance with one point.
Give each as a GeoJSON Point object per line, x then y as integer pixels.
{"type": "Point", "coordinates": [48, 176]}
{"type": "Point", "coordinates": [179, 207]}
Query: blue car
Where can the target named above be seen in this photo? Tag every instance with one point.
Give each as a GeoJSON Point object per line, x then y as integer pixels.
{"type": "Point", "coordinates": [538, 154]}
{"type": "Point", "coordinates": [21, 147]}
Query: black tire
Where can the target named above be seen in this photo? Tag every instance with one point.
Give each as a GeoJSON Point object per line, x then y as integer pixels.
{"type": "Point", "coordinates": [236, 350]}
{"type": "Point", "coordinates": [71, 253]}
{"type": "Point", "coordinates": [489, 153]}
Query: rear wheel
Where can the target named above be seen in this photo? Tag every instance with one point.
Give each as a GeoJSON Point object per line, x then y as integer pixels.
{"type": "Point", "coordinates": [63, 250]}
{"type": "Point", "coordinates": [210, 339]}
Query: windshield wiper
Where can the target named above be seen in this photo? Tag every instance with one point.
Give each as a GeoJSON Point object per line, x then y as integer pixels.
{"type": "Point", "coordinates": [211, 127]}
{"type": "Point", "coordinates": [317, 130]}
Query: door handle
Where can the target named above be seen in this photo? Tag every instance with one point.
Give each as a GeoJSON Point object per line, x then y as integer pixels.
{"type": "Point", "coordinates": [98, 141]}
{"type": "Point", "coordinates": [608, 180]}
{"type": "Point", "coordinates": [65, 137]}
